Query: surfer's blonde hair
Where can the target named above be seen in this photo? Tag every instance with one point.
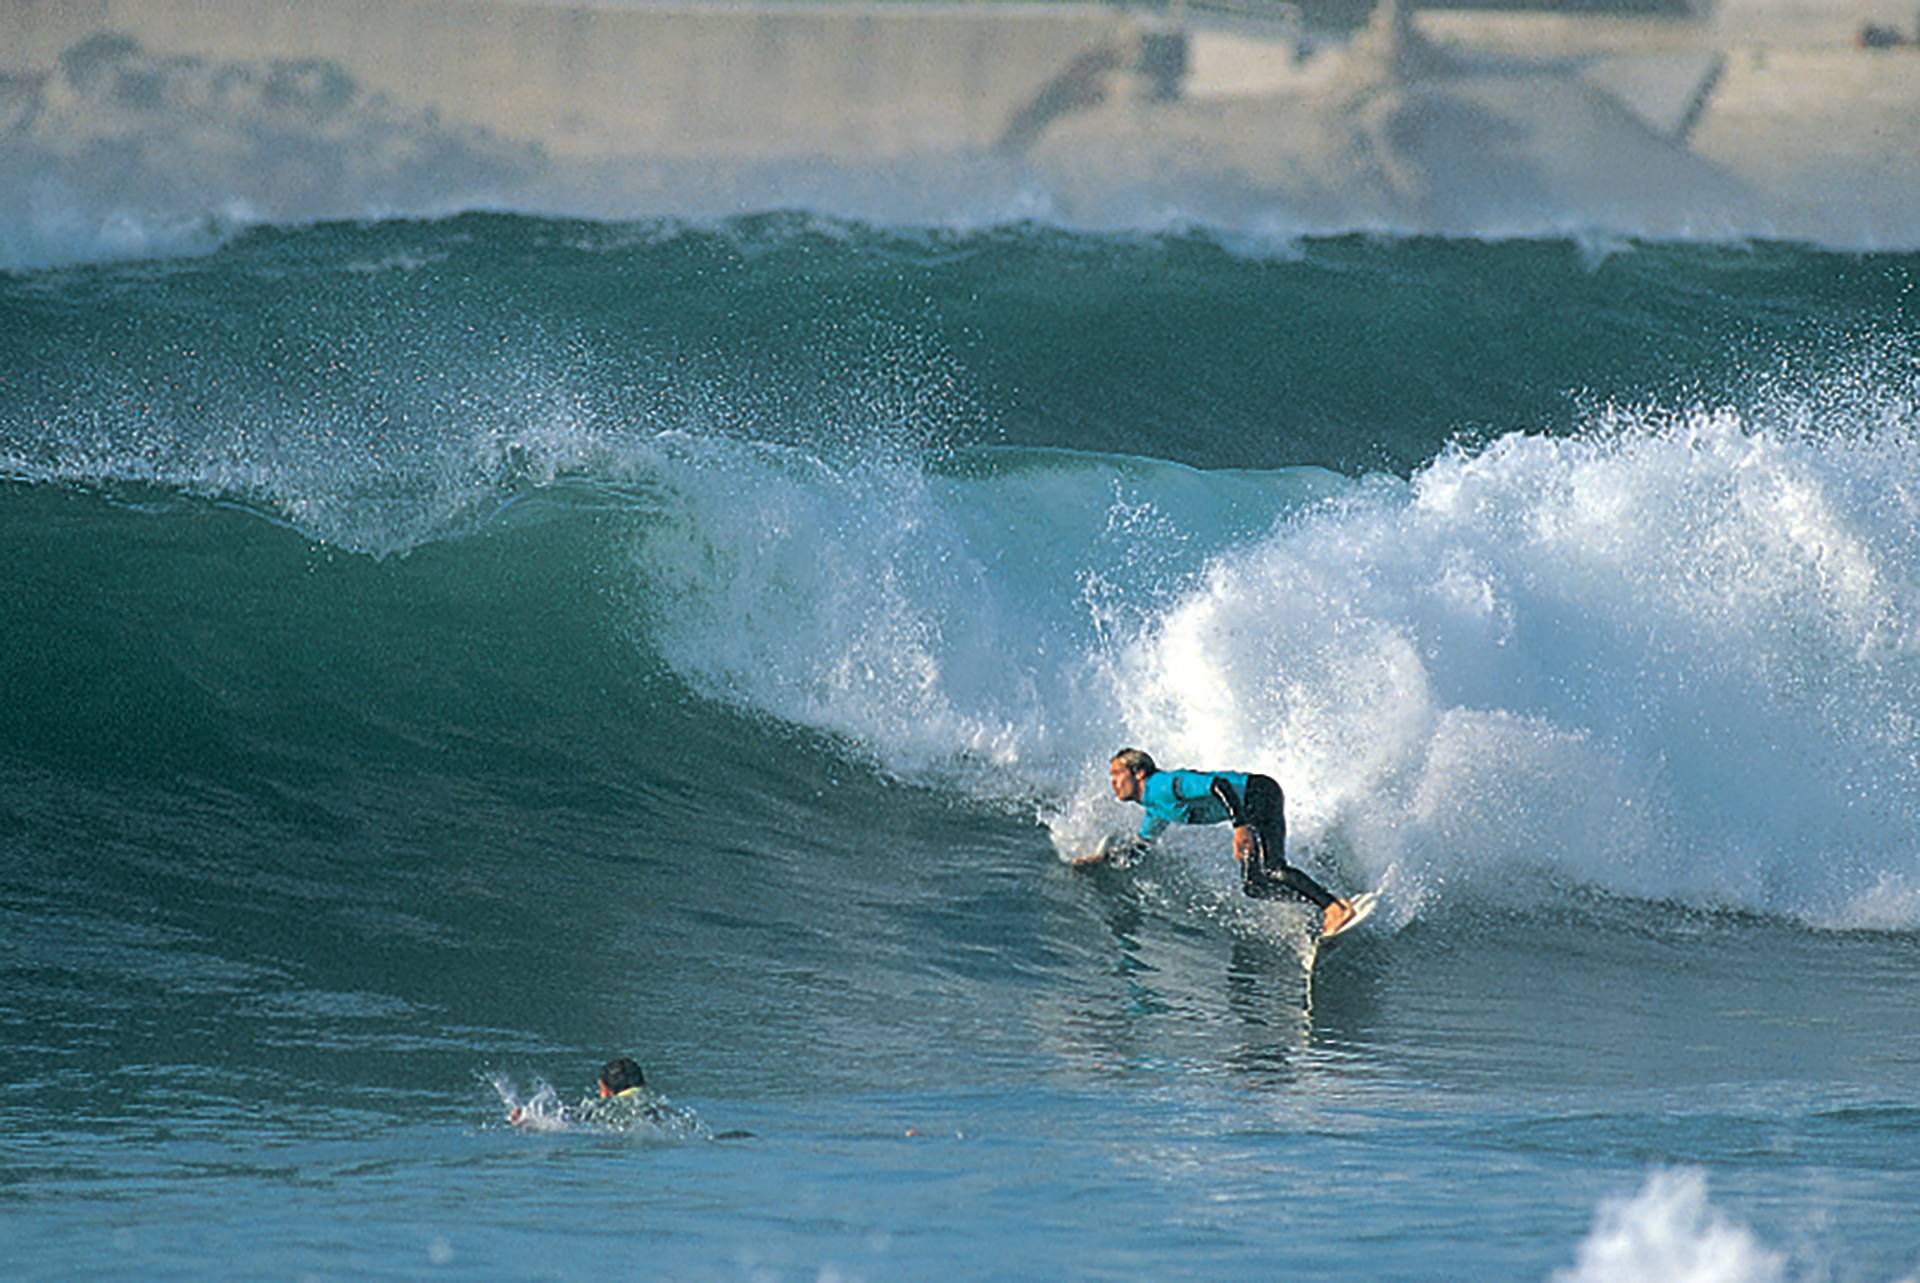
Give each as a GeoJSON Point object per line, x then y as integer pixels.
{"type": "Point", "coordinates": [1135, 760]}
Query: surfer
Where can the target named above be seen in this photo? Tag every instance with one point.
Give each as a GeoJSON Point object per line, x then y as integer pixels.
{"type": "Point", "coordinates": [1253, 804]}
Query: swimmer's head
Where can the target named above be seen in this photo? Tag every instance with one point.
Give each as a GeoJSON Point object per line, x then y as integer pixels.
{"type": "Point", "coordinates": [620, 1075]}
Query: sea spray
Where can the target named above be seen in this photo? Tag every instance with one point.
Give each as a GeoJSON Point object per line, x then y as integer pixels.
{"type": "Point", "coordinates": [1670, 1233]}
{"type": "Point", "coordinates": [1671, 660]}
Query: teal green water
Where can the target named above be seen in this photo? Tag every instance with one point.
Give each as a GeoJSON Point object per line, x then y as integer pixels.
{"type": "Point", "coordinates": [440, 656]}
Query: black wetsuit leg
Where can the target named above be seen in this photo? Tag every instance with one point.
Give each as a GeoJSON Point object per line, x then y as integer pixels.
{"type": "Point", "coordinates": [1267, 874]}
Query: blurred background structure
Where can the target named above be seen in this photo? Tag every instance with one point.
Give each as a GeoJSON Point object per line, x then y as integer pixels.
{"type": "Point", "coordinates": [1764, 118]}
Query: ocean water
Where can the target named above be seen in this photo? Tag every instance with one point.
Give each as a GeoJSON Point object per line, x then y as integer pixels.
{"type": "Point", "coordinates": [437, 656]}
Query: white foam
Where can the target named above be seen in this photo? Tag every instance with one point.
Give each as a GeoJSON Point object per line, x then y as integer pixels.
{"type": "Point", "coordinates": [1669, 1233]}
{"type": "Point", "coordinates": [1678, 661]}
{"type": "Point", "coordinates": [46, 224]}
{"type": "Point", "coordinates": [1677, 656]}
{"type": "Point", "coordinates": [1892, 903]}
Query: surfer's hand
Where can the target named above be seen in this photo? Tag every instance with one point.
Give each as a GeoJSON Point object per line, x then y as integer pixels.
{"type": "Point", "coordinates": [1243, 843]}
{"type": "Point", "coordinates": [516, 1115]}
{"type": "Point", "coordinates": [1123, 851]}
{"type": "Point", "coordinates": [1112, 850]}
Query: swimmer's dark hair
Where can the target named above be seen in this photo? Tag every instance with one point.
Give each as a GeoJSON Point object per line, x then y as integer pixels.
{"type": "Point", "coordinates": [621, 1074]}
{"type": "Point", "coordinates": [1134, 760]}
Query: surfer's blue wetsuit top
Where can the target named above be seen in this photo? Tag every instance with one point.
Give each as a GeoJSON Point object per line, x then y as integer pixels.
{"type": "Point", "coordinates": [1210, 797]}
{"type": "Point", "coordinates": [1191, 797]}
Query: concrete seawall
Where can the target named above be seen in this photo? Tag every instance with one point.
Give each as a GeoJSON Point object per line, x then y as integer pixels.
{"type": "Point", "coordinates": [872, 80]}
{"type": "Point", "coordinates": [136, 113]}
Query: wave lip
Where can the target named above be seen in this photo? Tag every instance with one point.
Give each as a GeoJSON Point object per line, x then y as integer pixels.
{"type": "Point", "coordinates": [1676, 661]}
{"type": "Point", "coordinates": [1671, 659]}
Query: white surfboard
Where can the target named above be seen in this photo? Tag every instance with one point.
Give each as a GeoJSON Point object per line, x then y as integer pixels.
{"type": "Point", "coordinates": [1363, 906]}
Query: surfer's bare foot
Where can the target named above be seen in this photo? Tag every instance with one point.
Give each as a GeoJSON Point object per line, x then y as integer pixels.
{"type": "Point", "coordinates": [1336, 915]}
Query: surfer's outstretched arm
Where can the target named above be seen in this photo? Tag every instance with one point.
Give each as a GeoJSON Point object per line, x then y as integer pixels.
{"type": "Point", "coordinates": [1118, 850]}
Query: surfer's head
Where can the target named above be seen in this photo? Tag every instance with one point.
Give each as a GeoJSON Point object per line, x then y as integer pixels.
{"type": "Point", "coordinates": [1128, 773]}
{"type": "Point", "coordinates": [620, 1075]}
